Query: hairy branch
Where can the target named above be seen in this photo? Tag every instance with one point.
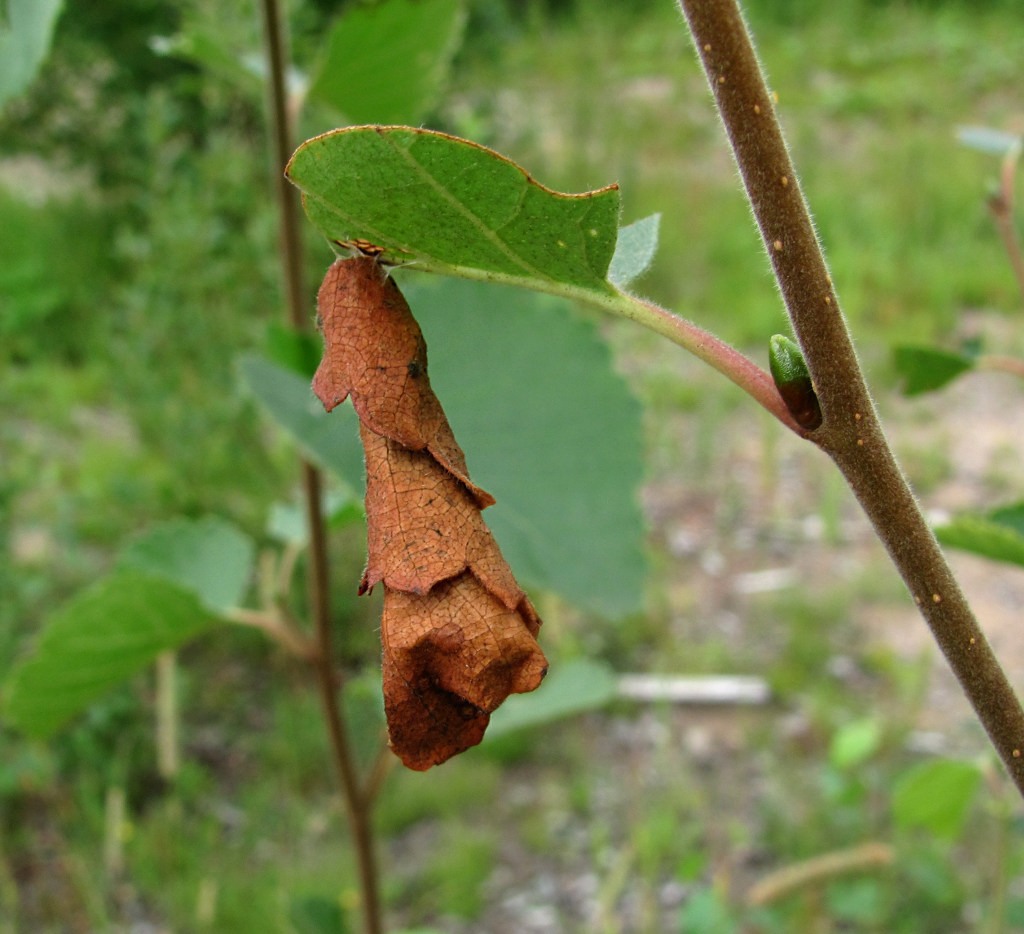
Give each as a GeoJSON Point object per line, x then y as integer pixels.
{"type": "Point", "coordinates": [851, 433]}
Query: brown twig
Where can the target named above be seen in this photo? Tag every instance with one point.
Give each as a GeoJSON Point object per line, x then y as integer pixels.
{"type": "Point", "coordinates": [328, 680]}
{"type": "Point", "coordinates": [819, 870]}
{"type": "Point", "coordinates": [279, 628]}
{"type": "Point", "coordinates": [1002, 216]}
{"type": "Point", "coordinates": [1000, 364]}
{"type": "Point", "coordinates": [1001, 207]}
{"type": "Point", "coordinates": [851, 433]}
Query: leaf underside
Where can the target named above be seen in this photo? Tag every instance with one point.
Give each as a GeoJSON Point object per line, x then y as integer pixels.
{"type": "Point", "coordinates": [563, 474]}
{"type": "Point", "coordinates": [551, 430]}
{"type": "Point", "coordinates": [634, 250]}
{"type": "Point", "coordinates": [209, 557]}
{"type": "Point", "coordinates": [25, 35]}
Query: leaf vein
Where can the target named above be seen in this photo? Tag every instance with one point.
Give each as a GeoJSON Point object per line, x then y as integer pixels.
{"type": "Point", "coordinates": [487, 233]}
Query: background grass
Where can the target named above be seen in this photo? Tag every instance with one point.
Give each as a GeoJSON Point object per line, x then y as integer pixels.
{"type": "Point", "coordinates": [138, 259]}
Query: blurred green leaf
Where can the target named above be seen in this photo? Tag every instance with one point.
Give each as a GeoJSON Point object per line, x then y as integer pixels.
{"type": "Point", "coordinates": [985, 139]}
{"type": "Point", "coordinates": [363, 706]}
{"type": "Point", "coordinates": [570, 689]}
{"type": "Point", "coordinates": [855, 742]}
{"type": "Point", "coordinates": [208, 557]}
{"type": "Point", "coordinates": [1011, 516]}
{"type": "Point", "coordinates": [524, 382]}
{"type": "Point", "coordinates": [25, 34]}
{"type": "Point", "coordinates": [96, 641]}
{"type": "Point", "coordinates": [298, 351]}
{"type": "Point", "coordinates": [330, 441]}
{"type": "Point", "coordinates": [925, 369]}
{"type": "Point", "coordinates": [634, 250]}
{"type": "Point", "coordinates": [244, 72]}
{"type": "Point", "coordinates": [455, 206]}
{"type": "Point", "coordinates": [707, 912]}
{"type": "Point", "coordinates": [550, 429]}
{"type": "Point", "coordinates": [860, 902]}
{"type": "Point", "coordinates": [314, 914]}
{"type": "Point", "coordinates": [386, 62]}
{"type": "Point", "coordinates": [985, 536]}
{"type": "Point", "coordinates": [936, 796]}
{"type": "Point", "coordinates": [1015, 912]}
{"type": "Point", "coordinates": [287, 521]}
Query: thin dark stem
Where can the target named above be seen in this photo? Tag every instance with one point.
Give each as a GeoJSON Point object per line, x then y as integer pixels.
{"type": "Point", "coordinates": [328, 679]}
{"type": "Point", "coordinates": [851, 432]}
{"type": "Point", "coordinates": [281, 141]}
{"type": "Point", "coordinates": [329, 684]}
{"type": "Point", "coordinates": [1002, 215]}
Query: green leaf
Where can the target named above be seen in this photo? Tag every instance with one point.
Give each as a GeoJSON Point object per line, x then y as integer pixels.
{"type": "Point", "coordinates": [25, 35]}
{"type": "Point", "coordinates": [363, 707]}
{"type": "Point", "coordinates": [386, 62]}
{"type": "Point", "coordinates": [1015, 912]}
{"type": "Point", "coordinates": [287, 521]}
{"type": "Point", "coordinates": [99, 639]}
{"type": "Point", "coordinates": [984, 536]}
{"type": "Point", "coordinates": [861, 903]}
{"type": "Point", "coordinates": [1011, 517]}
{"type": "Point", "coordinates": [705, 911]}
{"type": "Point", "coordinates": [244, 71]}
{"type": "Point", "coordinates": [634, 250]}
{"type": "Point", "coordinates": [936, 796]}
{"type": "Point", "coordinates": [314, 914]}
{"type": "Point", "coordinates": [573, 688]}
{"type": "Point", "coordinates": [855, 742]}
{"type": "Point", "coordinates": [456, 207]}
{"type": "Point", "coordinates": [208, 557]}
{"type": "Point", "coordinates": [298, 351]}
{"type": "Point", "coordinates": [332, 441]}
{"type": "Point", "coordinates": [550, 429]}
{"type": "Point", "coordinates": [925, 369]}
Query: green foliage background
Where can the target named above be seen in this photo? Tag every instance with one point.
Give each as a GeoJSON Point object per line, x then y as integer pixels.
{"type": "Point", "coordinates": [139, 259]}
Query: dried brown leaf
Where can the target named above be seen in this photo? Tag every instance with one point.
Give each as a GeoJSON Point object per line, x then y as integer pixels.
{"type": "Point", "coordinates": [374, 351]}
{"type": "Point", "coordinates": [450, 658]}
{"type": "Point", "coordinates": [423, 526]}
{"type": "Point", "coordinates": [458, 633]}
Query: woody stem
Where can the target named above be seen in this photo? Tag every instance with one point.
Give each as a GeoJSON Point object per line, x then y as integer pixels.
{"type": "Point", "coordinates": [851, 433]}
{"type": "Point", "coordinates": [328, 678]}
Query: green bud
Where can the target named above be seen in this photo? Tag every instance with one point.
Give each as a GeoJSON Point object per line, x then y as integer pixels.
{"type": "Point", "coordinates": [793, 380]}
